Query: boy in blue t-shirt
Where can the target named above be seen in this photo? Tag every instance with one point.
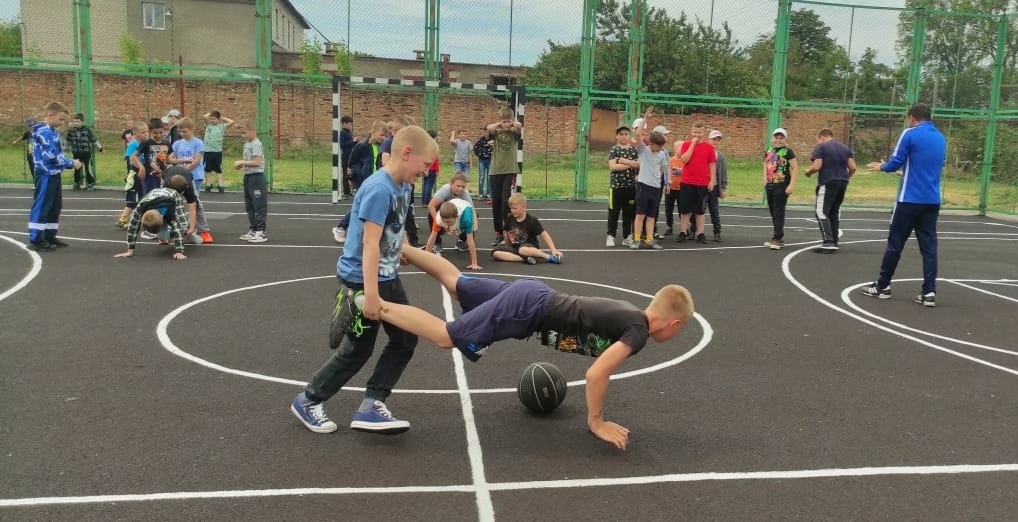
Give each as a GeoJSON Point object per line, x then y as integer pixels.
{"type": "Point", "coordinates": [368, 270]}
{"type": "Point", "coordinates": [49, 162]}
{"type": "Point", "coordinates": [189, 152]}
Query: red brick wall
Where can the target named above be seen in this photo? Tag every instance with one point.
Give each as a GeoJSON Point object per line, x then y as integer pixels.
{"type": "Point", "coordinates": [304, 114]}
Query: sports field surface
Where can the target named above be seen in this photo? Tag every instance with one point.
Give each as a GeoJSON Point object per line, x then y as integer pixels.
{"type": "Point", "coordinates": [152, 389]}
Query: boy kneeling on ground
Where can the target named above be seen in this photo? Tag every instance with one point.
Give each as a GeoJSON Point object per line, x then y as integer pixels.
{"type": "Point", "coordinates": [163, 212]}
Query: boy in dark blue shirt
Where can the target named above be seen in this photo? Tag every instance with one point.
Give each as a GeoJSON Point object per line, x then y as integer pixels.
{"type": "Point", "coordinates": [50, 161]}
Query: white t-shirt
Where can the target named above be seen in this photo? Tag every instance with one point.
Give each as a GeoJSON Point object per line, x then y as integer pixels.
{"type": "Point", "coordinates": [652, 165]}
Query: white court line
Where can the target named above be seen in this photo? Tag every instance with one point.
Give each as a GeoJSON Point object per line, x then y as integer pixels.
{"type": "Point", "coordinates": [485, 507]}
{"type": "Point", "coordinates": [987, 292]}
{"type": "Point", "coordinates": [786, 263]}
{"type": "Point", "coordinates": [845, 297]}
{"type": "Point", "coordinates": [823, 473]}
{"type": "Point", "coordinates": [32, 272]}
{"type": "Point", "coordinates": [1001, 283]}
{"type": "Point", "coordinates": [167, 343]}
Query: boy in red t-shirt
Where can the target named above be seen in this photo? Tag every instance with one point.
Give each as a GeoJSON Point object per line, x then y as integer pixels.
{"type": "Point", "coordinates": [699, 175]}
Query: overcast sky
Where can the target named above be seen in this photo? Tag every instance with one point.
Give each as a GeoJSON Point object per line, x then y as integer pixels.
{"type": "Point", "coordinates": [478, 30]}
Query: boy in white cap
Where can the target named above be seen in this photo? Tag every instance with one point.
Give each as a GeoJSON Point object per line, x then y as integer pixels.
{"type": "Point", "coordinates": [781, 171]}
{"type": "Point", "coordinates": [714, 196]}
{"type": "Point", "coordinates": [171, 119]}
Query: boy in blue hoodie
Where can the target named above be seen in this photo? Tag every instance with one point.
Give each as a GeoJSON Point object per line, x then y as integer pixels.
{"type": "Point", "coordinates": [50, 161]}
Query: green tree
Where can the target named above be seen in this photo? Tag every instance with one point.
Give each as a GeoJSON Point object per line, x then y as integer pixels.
{"type": "Point", "coordinates": [311, 57]}
{"type": "Point", "coordinates": [130, 48]}
{"type": "Point", "coordinates": [818, 67]}
{"type": "Point", "coordinates": [10, 38]}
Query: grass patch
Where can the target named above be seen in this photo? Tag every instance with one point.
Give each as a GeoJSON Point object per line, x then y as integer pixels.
{"type": "Point", "coordinates": [552, 176]}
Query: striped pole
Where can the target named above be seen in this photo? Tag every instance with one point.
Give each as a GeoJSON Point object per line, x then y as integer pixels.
{"type": "Point", "coordinates": [335, 140]}
{"type": "Point", "coordinates": [519, 95]}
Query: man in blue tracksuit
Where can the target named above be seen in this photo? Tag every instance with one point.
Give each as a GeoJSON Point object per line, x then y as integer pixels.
{"type": "Point", "coordinates": [49, 163]}
{"type": "Point", "coordinates": [919, 156]}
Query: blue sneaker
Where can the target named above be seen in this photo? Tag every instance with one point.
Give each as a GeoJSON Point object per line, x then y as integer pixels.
{"type": "Point", "coordinates": [552, 258]}
{"type": "Point", "coordinates": [346, 316]}
{"type": "Point", "coordinates": [311, 414]}
{"type": "Point", "coordinates": [472, 352]}
{"type": "Point", "coordinates": [378, 419]}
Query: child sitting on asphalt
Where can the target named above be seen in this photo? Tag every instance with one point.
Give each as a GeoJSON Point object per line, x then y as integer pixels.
{"type": "Point", "coordinates": [523, 233]}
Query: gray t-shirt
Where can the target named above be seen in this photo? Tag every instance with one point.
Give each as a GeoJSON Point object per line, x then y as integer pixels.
{"type": "Point", "coordinates": [445, 194]}
{"type": "Point", "coordinates": [463, 148]}
{"type": "Point", "coordinates": [252, 149]}
{"type": "Point", "coordinates": [653, 165]}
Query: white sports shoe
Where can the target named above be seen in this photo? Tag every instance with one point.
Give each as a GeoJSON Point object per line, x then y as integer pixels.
{"type": "Point", "coordinates": [610, 242]}
{"type": "Point", "coordinates": [339, 234]}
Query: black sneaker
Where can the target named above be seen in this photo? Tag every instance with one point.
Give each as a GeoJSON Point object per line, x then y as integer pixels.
{"type": "Point", "coordinates": [58, 243]}
{"type": "Point", "coordinates": [702, 239]}
{"type": "Point", "coordinates": [668, 231]}
{"type": "Point", "coordinates": [717, 236]}
{"type": "Point", "coordinates": [681, 238]}
{"type": "Point", "coordinates": [346, 316]}
{"type": "Point", "coordinates": [220, 188]}
{"type": "Point", "coordinates": [498, 241]}
{"type": "Point", "coordinates": [873, 291]}
{"type": "Point", "coordinates": [928, 299]}
{"type": "Point", "coordinates": [42, 246]}
{"type": "Point", "coordinates": [461, 245]}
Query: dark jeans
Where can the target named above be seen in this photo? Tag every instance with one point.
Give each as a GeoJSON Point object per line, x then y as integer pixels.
{"type": "Point", "coordinates": [713, 206]}
{"type": "Point", "coordinates": [830, 196]}
{"type": "Point", "coordinates": [411, 223]}
{"type": "Point", "coordinates": [427, 190]}
{"type": "Point", "coordinates": [256, 200]}
{"type": "Point", "coordinates": [344, 178]}
{"type": "Point", "coordinates": [353, 352]}
{"type": "Point", "coordinates": [85, 173]}
{"type": "Point", "coordinates": [621, 201]}
{"type": "Point", "coordinates": [777, 200]}
{"type": "Point", "coordinates": [671, 201]}
{"type": "Point", "coordinates": [501, 189]}
{"type": "Point", "coordinates": [923, 220]}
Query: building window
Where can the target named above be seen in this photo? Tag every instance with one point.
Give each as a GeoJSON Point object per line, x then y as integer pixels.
{"type": "Point", "coordinates": [499, 79]}
{"type": "Point", "coordinates": [153, 16]}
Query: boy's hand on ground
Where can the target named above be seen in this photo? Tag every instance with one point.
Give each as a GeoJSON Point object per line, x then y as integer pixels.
{"type": "Point", "coordinates": [611, 433]}
{"type": "Point", "coordinates": [179, 256]}
{"type": "Point", "coordinates": [475, 267]}
{"type": "Point", "coordinates": [372, 307]}
{"type": "Point", "coordinates": [129, 253]}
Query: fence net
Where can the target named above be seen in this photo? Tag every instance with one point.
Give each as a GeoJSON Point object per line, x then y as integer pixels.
{"type": "Point", "coordinates": [853, 69]}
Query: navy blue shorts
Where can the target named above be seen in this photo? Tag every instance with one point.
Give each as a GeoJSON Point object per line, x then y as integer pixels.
{"type": "Point", "coordinates": [494, 310]}
{"type": "Point", "coordinates": [648, 199]}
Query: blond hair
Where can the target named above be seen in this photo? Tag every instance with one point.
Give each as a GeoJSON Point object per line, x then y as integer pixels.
{"type": "Point", "coordinates": [177, 182]}
{"type": "Point", "coordinates": [459, 176]}
{"type": "Point", "coordinates": [56, 108]}
{"type": "Point", "coordinates": [506, 114]}
{"type": "Point", "coordinates": [673, 302]}
{"type": "Point", "coordinates": [401, 122]}
{"type": "Point", "coordinates": [152, 221]}
{"type": "Point", "coordinates": [379, 126]}
{"type": "Point", "coordinates": [448, 210]}
{"type": "Point", "coordinates": [185, 123]}
{"type": "Point", "coordinates": [417, 139]}
{"type": "Point", "coordinates": [517, 200]}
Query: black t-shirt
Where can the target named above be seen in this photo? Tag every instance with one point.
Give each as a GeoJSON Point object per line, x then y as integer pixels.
{"type": "Point", "coordinates": [835, 155]}
{"type": "Point", "coordinates": [526, 231]}
{"type": "Point", "coordinates": [150, 152]}
{"type": "Point", "coordinates": [176, 170]}
{"type": "Point", "coordinates": [589, 325]}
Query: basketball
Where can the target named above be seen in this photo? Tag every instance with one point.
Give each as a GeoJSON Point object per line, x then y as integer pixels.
{"type": "Point", "coordinates": [542, 387]}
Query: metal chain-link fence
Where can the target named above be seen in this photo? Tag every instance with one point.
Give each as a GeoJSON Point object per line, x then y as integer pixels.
{"type": "Point", "coordinates": [742, 68]}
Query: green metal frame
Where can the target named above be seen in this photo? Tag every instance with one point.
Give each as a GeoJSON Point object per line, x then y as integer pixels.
{"type": "Point", "coordinates": [632, 98]}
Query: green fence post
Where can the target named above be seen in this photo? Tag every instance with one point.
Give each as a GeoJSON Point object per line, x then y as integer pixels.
{"type": "Point", "coordinates": [634, 76]}
{"type": "Point", "coordinates": [586, 82]}
{"type": "Point", "coordinates": [432, 65]}
{"type": "Point", "coordinates": [915, 57]}
{"type": "Point", "coordinates": [778, 71]}
{"type": "Point", "coordinates": [84, 92]}
{"type": "Point", "coordinates": [263, 60]}
{"type": "Point", "coordinates": [991, 130]}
